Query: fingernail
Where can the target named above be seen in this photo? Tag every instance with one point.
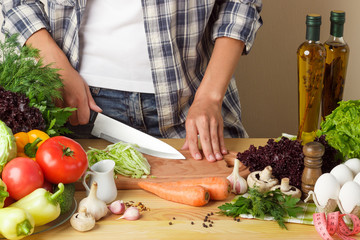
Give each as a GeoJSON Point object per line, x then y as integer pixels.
{"type": "Point", "coordinates": [224, 151]}
{"type": "Point", "coordinates": [218, 156]}
{"type": "Point", "coordinates": [197, 156]}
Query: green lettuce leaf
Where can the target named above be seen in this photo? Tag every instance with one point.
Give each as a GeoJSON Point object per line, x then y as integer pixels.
{"type": "Point", "coordinates": [342, 129]}
{"type": "Point", "coordinates": [8, 148]}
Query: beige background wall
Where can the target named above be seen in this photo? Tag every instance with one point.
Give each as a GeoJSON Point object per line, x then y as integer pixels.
{"type": "Point", "coordinates": [267, 77]}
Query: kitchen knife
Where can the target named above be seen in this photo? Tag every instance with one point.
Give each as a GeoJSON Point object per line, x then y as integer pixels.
{"type": "Point", "coordinates": [114, 131]}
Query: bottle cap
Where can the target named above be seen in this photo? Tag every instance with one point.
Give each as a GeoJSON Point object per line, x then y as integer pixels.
{"type": "Point", "coordinates": [337, 16]}
{"type": "Point", "coordinates": [313, 19]}
{"type": "Point", "coordinates": [313, 22]}
{"type": "Point", "coordinates": [337, 19]}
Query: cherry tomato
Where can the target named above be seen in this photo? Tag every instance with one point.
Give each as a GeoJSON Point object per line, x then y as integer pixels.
{"type": "Point", "coordinates": [22, 176]}
{"type": "Point", "coordinates": [62, 159]}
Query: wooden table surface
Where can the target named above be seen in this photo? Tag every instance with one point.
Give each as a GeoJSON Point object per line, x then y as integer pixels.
{"type": "Point", "coordinates": [155, 224]}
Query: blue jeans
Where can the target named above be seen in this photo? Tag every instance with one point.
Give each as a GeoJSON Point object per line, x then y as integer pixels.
{"type": "Point", "coordinates": [137, 110]}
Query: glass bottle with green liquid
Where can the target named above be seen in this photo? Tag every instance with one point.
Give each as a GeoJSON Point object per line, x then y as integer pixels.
{"type": "Point", "coordinates": [337, 55]}
{"type": "Point", "coordinates": [311, 56]}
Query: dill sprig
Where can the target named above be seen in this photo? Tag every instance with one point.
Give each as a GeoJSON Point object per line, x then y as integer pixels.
{"type": "Point", "coordinates": [22, 70]}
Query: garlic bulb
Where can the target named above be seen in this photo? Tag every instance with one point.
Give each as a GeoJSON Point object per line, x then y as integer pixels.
{"type": "Point", "coordinates": [94, 206]}
{"type": "Point", "coordinates": [238, 183]}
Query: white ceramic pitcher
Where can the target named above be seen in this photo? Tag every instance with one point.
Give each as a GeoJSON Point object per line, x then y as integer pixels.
{"type": "Point", "coordinates": [102, 172]}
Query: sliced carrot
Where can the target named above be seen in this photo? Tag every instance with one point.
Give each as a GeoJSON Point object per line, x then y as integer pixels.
{"type": "Point", "coordinates": [191, 195]}
{"type": "Point", "coordinates": [218, 187]}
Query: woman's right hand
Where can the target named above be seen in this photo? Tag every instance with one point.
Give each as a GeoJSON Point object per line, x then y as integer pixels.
{"type": "Point", "coordinates": [76, 92]}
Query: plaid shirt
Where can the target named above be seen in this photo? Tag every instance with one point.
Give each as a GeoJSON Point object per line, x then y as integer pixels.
{"type": "Point", "coordinates": [180, 37]}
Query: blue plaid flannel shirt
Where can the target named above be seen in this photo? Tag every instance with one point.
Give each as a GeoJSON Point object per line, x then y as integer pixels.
{"type": "Point", "coordinates": [180, 35]}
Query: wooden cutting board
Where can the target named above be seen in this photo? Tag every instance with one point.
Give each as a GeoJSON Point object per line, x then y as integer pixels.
{"type": "Point", "coordinates": [163, 170]}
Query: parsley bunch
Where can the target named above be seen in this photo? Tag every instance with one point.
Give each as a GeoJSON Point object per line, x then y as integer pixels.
{"type": "Point", "coordinates": [22, 71]}
{"type": "Point", "coordinates": [258, 204]}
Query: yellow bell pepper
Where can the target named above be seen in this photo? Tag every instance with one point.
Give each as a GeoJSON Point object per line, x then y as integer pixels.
{"type": "Point", "coordinates": [28, 143]}
{"type": "Point", "coordinates": [15, 223]}
{"type": "Point", "coordinates": [3, 193]}
{"type": "Point", "coordinates": [41, 204]}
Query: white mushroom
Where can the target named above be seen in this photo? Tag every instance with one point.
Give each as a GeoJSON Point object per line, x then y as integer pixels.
{"type": "Point", "coordinates": [264, 179]}
{"type": "Point", "coordinates": [287, 189]}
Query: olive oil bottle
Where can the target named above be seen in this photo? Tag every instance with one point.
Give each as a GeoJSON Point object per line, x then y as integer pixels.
{"type": "Point", "coordinates": [337, 55]}
{"type": "Point", "coordinates": [311, 56]}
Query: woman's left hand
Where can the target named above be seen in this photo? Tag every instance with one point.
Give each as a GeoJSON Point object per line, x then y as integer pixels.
{"type": "Point", "coordinates": [204, 120]}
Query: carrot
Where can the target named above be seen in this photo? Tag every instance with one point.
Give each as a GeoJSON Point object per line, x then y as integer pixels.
{"type": "Point", "coordinates": [218, 187]}
{"type": "Point", "coordinates": [191, 195]}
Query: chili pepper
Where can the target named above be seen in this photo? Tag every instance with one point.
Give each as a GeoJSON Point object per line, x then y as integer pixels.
{"type": "Point", "coordinates": [3, 193]}
{"type": "Point", "coordinates": [41, 204]}
{"type": "Point", "coordinates": [15, 223]}
{"type": "Point", "coordinates": [28, 143]}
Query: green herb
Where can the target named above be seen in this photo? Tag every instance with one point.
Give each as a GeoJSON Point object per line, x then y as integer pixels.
{"type": "Point", "coordinates": [128, 160]}
{"type": "Point", "coordinates": [341, 129]}
{"type": "Point", "coordinates": [22, 70]}
{"type": "Point", "coordinates": [258, 204]}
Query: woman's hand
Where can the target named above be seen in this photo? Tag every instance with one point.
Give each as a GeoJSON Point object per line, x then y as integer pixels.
{"type": "Point", "coordinates": [204, 116]}
{"type": "Point", "coordinates": [75, 92]}
{"type": "Point", "coordinates": [204, 119]}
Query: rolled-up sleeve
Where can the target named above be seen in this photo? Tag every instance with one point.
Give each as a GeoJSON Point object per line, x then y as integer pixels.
{"type": "Point", "coordinates": [24, 17]}
{"type": "Point", "coordinates": [239, 19]}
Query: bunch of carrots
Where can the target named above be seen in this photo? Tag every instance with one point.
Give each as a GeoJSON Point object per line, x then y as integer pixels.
{"type": "Point", "coordinates": [194, 192]}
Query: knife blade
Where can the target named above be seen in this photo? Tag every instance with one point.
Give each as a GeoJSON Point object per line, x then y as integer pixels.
{"type": "Point", "coordinates": [114, 131]}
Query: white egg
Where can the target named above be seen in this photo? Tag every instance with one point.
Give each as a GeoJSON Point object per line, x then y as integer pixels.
{"type": "Point", "coordinates": [342, 174]}
{"type": "Point", "coordinates": [349, 196]}
{"type": "Point", "coordinates": [357, 178]}
{"type": "Point", "coordinates": [354, 165]}
{"type": "Point", "coordinates": [326, 187]}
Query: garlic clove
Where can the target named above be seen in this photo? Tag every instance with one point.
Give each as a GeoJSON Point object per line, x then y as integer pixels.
{"type": "Point", "coordinates": [117, 207]}
{"type": "Point", "coordinates": [132, 213]}
{"type": "Point", "coordinates": [238, 183]}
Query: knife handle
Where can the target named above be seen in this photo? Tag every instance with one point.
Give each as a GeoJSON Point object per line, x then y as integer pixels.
{"type": "Point", "coordinates": [92, 118]}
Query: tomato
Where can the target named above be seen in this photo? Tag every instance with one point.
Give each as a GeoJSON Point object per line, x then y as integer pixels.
{"type": "Point", "coordinates": [8, 201]}
{"type": "Point", "coordinates": [62, 159]}
{"type": "Point", "coordinates": [22, 176]}
{"type": "Point", "coordinates": [48, 186]}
